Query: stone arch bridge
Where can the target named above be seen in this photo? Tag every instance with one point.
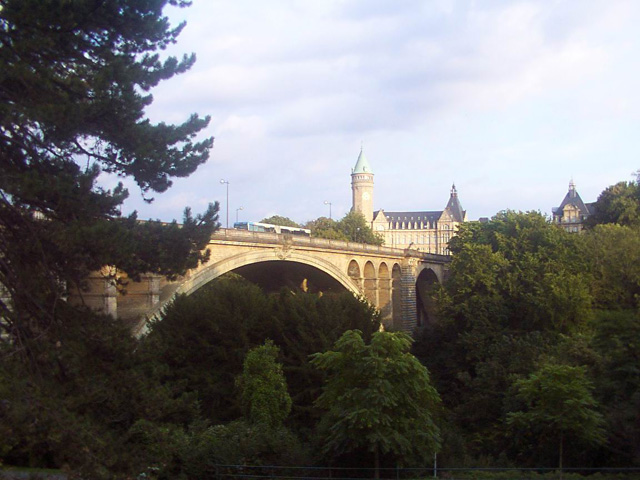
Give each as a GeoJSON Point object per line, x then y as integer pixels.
{"type": "Point", "coordinates": [396, 281]}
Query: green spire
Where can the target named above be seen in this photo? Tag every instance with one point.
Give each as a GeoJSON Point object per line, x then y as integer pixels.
{"type": "Point", "coordinates": [362, 165]}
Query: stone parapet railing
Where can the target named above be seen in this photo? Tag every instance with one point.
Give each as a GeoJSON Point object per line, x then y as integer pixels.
{"type": "Point", "coordinates": [314, 242]}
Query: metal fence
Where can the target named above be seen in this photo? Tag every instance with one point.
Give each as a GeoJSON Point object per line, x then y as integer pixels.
{"type": "Point", "coordinates": [230, 472]}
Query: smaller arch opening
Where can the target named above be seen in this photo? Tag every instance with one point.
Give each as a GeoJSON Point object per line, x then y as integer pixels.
{"type": "Point", "coordinates": [354, 270]}
{"type": "Point", "coordinates": [425, 284]}
{"type": "Point", "coordinates": [370, 283]}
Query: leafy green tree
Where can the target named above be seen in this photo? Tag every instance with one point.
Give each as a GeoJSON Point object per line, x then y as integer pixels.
{"type": "Point", "coordinates": [541, 277]}
{"type": "Point", "coordinates": [74, 88]}
{"type": "Point", "coordinates": [243, 443]}
{"type": "Point", "coordinates": [558, 406]}
{"type": "Point", "coordinates": [378, 397]}
{"type": "Point", "coordinates": [324, 227]}
{"type": "Point", "coordinates": [354, 226]}
{"type": "Point", "coordinates": [516, 283]}
{"type": "Point", "coordinates": [614, 252]}
{"type": "Point", "coordinates": [619, 203]}
{"type": "Point", "coordinates": [617, 381]}
{"type": "Point", "coordinates": [263, 388]}
{"type": "Point", "coordinates": [280, 220]}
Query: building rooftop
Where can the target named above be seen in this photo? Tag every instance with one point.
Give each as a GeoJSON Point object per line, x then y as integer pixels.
{"type": "Point", "coordinates": [362, 165]}
{"type": "Point", "coordinates": [454, 207]}
{"type": "Point", "coordinates": [573, 198]}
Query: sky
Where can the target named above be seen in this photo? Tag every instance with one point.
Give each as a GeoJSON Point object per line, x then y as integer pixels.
{"type": "Point", "coordinates": [509, 100]}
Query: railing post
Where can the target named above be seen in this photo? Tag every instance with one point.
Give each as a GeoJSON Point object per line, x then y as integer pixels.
{"type": "Point", "coordinates": [435, 464]}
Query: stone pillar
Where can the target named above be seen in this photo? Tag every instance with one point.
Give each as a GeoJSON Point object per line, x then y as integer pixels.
{"type": "Point", "coordinates": [110, 297]}
{"type": "Point", "coordinates": [386, 303]}
{"type": "Point", "coordinates": [371, 291]}
{"type": "Point", "coordinates": [408, 298]}
{"type": "Point", "coordinates": [154, 290]}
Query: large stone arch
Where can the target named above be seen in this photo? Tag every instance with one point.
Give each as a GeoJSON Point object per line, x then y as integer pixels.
{"type": "Point", "coordinates": [197, 279]}
{"type": "Point", "coordinates": [215, 270]}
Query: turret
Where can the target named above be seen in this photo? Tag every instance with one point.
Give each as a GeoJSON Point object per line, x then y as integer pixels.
{"type": "Point", "coordinates": [362, 187]}
{"type": "Point", "coordinates": [454, 207]}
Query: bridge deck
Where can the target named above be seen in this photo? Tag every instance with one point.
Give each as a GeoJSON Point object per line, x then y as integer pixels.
{"type": "Point", "coordinates": [244, 236]}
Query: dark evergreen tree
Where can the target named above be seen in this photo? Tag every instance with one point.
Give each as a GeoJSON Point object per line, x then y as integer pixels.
{"type": "Point", "coordinates": [83, 401]}
{"type": "Point", "coordinates": [74, 84]}
{"type": "Point", "coordinates": [75, 79]}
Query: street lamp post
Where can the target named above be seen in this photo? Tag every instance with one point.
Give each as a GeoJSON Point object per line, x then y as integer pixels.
{"type": "Point", "coordinates": [237, 210]}
{"type": "Point", "coordinates": [327, 202]}
{"type": "Point", "coordinates": [223, 181]}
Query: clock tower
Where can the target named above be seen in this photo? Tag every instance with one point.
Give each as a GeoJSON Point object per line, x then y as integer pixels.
{"type": "Point", "coordinates": [362, 188]}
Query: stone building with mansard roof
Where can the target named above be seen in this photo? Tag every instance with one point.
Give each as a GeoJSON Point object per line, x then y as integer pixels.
{"type": "Point", "coordinates": [427, 231]}
{"type": "Point", "coordinates": [572, 212]}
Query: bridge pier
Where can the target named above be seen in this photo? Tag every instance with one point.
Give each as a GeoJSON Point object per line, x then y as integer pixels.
{"type": "Point", "coordinates": [408, 317]}
{"type": "Point", "coordinates": [385, 303]}
{"type": "Point", "coordinates": [101, 294]}
{"type": "Point", "coordinates": [110, 299]}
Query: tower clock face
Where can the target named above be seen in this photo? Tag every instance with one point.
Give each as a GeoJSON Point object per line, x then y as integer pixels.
{"type": "Point", "coordinates": [366, 196]}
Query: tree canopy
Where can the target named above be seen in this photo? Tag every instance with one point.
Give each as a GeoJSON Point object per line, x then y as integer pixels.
{"type": "Point", "coordinates": [74, 86]}
{"type": "Point", "coordinates": [558, 401]}
{"type": "Point", "coordinates": [619, 203]}
{"type": "Point", "coordinates": [328, 228]}
{"type": "Point", "coordinates": [352, 227]}
{"type": "Point", "coordinates": [221, 322]}
{"type": "Point", "coordinates": [516, 283]}
{"type": "Point", "coordinates": [263, 388]}
{"type": "Point", "coordinates": [280, 220]}
{"type": "Point", "coordinates": [75, 81]}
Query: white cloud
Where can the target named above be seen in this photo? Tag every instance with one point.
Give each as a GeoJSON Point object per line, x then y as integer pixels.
{"type": "Point", "coordinates": [478, 92]}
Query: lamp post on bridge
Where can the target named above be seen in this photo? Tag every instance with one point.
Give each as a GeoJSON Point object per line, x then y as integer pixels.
{"type": "Point", "coordinates": [327, 202]}
{"type": "Point", "coordinates": [223, 181]}
{"type": "Point", "coordinates": [237, 210]}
